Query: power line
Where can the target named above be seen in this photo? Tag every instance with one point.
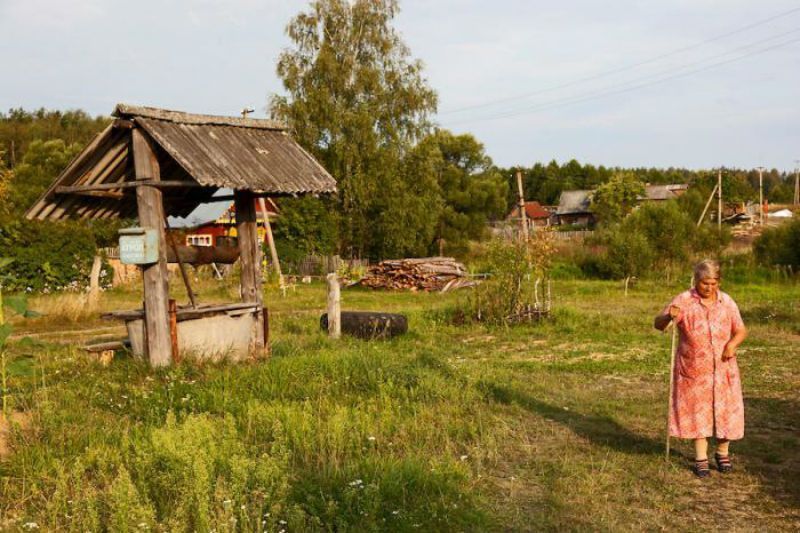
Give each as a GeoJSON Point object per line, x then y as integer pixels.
{"type": "Point", "coordinates": [623, 68]}
{"type": "Point", "coordinates": [590, 96]}
{"type": "Point", "coordinates": [656, 74]}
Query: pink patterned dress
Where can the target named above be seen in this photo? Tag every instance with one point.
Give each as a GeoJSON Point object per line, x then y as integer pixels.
{"type": "Point", "coordinates": [707, 396]}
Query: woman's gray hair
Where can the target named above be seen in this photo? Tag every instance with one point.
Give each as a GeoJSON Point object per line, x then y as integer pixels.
{"type": "Point", "coordinates": [707, 268]}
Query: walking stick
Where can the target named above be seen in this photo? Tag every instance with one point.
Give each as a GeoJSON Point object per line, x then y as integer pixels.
{"type": "Point", "coordinates": [671, 378]}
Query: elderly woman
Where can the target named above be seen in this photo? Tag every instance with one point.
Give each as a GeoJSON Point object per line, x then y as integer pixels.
{"type": "Point", "coordinates": [707, 395]}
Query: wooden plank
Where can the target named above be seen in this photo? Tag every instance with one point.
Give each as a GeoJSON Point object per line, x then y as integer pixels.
{"type": "Point", "coordinates": [156, 281]}
{"type": "Point", "coordinates": [147, 181]}
{"type": "Point", "coordinates": [173, 330]}
{"type": "Point", "coordinates": [184, 313]}
{"type": "Point", "coordinates": [250, 257]}
{"type": "Point", "coordinates": [276, 264]}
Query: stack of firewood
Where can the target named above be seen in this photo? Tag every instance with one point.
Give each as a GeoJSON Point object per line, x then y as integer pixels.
{"type": "Point", "coordinates": [426, 274]}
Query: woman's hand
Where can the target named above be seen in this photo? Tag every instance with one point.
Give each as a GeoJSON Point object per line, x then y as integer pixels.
{"type": "Point", "coordinates": [729, 352]}
{"type": "Point", "coordinates": [662, 321]}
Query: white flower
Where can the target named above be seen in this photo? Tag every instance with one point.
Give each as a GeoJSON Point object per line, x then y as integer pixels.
{"type": "Point", "coordinates": [371, 438]}
{"type": "Point", "coordinates": [464, 457]}
{"type": "Point", "coordinates": [30, 525]}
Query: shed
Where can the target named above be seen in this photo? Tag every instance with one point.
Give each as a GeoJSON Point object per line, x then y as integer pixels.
{"type": "Point", "coordinates": [660, 193]}
{"type": "Point", "coordinates": [154, 163]}
{"type": "Point", "coordinates": [575, 207]}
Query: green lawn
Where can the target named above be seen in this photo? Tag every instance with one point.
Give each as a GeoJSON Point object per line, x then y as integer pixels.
{"type": "Point", "coordinates": [557, 426]}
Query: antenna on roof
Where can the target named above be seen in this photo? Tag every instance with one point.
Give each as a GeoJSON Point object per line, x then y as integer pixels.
{"type": "Point", "coordinates": [246, 111]}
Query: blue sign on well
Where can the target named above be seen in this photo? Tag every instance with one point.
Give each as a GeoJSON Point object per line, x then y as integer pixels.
{"type": "Point", "coordinates": [138, 246]}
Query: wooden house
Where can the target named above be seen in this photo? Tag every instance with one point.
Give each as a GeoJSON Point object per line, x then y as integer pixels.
{"type": "Point", "coordinates": [221, 231]}
{"type": "Point", "coordinates": [575, 207]}
{"type": "Point", "coordinates": [535, 214]}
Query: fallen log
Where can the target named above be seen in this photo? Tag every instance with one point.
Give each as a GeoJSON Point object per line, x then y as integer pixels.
{"type": "Point", "coordinates": [203, 255]}
{"type": "Point", "coordinates": [369, 324]}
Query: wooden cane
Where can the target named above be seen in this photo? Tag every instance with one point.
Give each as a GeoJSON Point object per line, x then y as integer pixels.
{"type": "Point", "coordinates": [671, 378]}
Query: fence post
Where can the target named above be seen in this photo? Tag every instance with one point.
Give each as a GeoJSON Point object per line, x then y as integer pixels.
{"type": "Point", "coordinates": [334, 307]}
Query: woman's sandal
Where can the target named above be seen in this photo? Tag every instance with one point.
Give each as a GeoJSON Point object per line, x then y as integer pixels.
{"type": "Point", "coordinates": [701, 469]}
{"type": "Point", "coordinates": [724, 464]}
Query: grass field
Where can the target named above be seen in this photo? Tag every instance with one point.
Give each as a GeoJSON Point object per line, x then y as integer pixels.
{"type": "Point", "coordinates": [556, 426]}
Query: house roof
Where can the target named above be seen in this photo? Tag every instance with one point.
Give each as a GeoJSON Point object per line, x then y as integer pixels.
{"type": "Point", "coordinates": [574, 202]}
{"type": "Point", "coordinates": [533, 210]}
{"type": "Point", "coordinates": [205, 150]}
{"type": "Point", "coordinates": [664, 192]}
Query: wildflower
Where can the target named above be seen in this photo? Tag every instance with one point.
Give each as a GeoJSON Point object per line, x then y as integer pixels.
{"type": "Point", "coordinates": [30, 525]}
{"type": "Point", "coordinates": [242, 507]}
{"type": "Point", "coordinates": [371, 438]}
{"type": "Point", "coordinates": [464, 457]}
{"type": "Point", "coordinates": [282, 522]}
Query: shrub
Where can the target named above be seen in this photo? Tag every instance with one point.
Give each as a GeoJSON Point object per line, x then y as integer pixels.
{"type": "Point", "coordinates": [505, 295]}
{"type": "Point", "coordinates": [779, 246]}
{"type": "Point", "coordinates": [48, 255]}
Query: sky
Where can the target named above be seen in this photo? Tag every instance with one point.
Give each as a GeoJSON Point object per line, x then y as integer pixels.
{"type": "Point", "coordinates": [681, 83]}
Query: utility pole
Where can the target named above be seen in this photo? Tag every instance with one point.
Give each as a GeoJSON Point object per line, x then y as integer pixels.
{"type": "Point", "coordinates": [761, 194]}
{"type": "Point", "coordinates": [246, 111]}
{"type": "Point", "coordinates": [719, 199]}
{"type": "Point", "coordinates": [796, 181]}
{"type": "Point", "coordinates": [522, 218]}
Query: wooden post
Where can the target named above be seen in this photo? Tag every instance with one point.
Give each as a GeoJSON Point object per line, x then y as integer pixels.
{"type": "Point", "coordinates": [522, 218]}
{"type": "Point", "coordinates": [94, 280]}
{"type": "Point", "coordinates": [267, 346]}
{"type": "Point", "coordinates": [708, 203]}
{"type": "Point", "coordinates": [154, 276]}
{"type": "Point", "coordinates": [719, 198]}
{"type": "Point", "coordinates": [181, 267]}
{"type": "Point", "coordinates": [761, 196]}
{"type": "Point", "coordinates": [334, 307]}
{"type": "Point", "coordinates": [271, 241]}
{"type": "Point", "coordinates": [250, 257]}
{"type": "Point", "coordinates": [173, 330]}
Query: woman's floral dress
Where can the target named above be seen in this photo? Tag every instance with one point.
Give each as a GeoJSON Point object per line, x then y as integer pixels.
{"type": "Point", "coordinates": [707, 396]}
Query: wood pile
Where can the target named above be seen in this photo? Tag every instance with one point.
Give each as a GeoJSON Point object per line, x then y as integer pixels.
{"type": "Point", "coordinates": [425, 274]}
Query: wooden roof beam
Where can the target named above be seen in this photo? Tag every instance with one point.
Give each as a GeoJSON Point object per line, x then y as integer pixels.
{"type": "Point", "coordinates": [76, 189]}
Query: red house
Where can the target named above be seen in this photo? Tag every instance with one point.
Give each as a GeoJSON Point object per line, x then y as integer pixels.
{"type": "Point", "coordinates": [535, 214]}
{"type": "Point", "coordinates": [222, 230]}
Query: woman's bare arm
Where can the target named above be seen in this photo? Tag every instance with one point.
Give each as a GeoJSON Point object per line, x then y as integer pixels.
{"type": "Point", "coordinates": [662, 321]}
{"type": "Point", "coordinates": [738, 338]}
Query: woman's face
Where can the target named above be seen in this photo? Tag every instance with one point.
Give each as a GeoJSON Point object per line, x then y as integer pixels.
{"type": "Point", "coordinates": [707, 287]}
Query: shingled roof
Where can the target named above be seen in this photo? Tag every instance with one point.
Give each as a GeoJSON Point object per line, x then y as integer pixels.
{"type": "Point", "coordinates": [575, 202]}
{"type": "Point", "coordinates": [207, 152]}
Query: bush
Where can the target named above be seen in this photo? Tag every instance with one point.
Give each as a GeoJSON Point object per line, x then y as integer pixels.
{"type": "Point", "coordinates": [505, 295]}
{"type": "Point", "coordinates": [653, 238]}
{"type": "Point", "coordinates": [47, 255]}
{"type": "Point", "coordinates": [779, 246]}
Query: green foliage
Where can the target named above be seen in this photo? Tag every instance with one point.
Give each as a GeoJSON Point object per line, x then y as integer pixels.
{"type": "Point", "coordinates": [40, 166]}
{"type": "Point", "coordinates": [779, 246]}
{"type": "Point", "coordinates": [628, 254]}
{"type": "Point", "coordinates": [473, 190]}
{"type": "Point", "coordinates": [544, 182]}
{"type": "Point", "coordinates": [19, 128]}
{"type": "Point", "coordinates": [47, 255]}
{"type": "Point", "coordinates": [655, 236]}
{"type": "Point", "coordinates": [506, 294]}
{"type": "Point", "coordinates": [307, 226]}
{"type": "Point", "coordinates": [358, 102]}
{"type": "Point", "coordinates": [408, 212]}
{"type": "Point", "coordinates": [615, 199]}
